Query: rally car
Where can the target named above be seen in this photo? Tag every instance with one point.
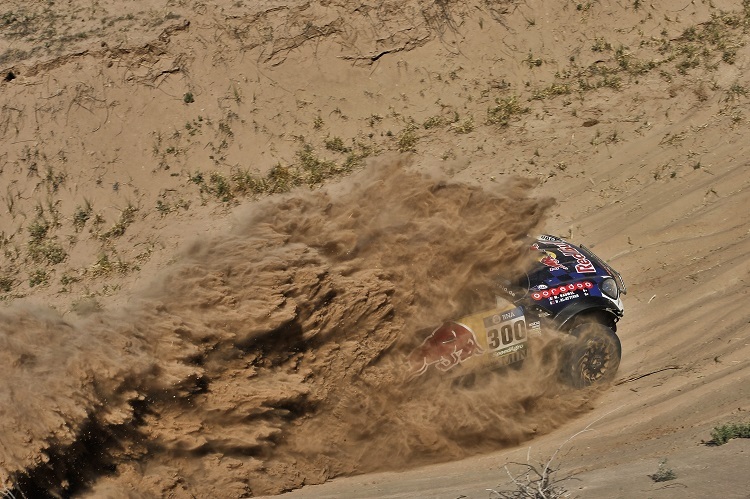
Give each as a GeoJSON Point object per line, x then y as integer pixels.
{"type": "Point", "coordinates": [568, 290]}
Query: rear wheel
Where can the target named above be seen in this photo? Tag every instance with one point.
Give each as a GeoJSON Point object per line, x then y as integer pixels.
{"type": "Point", "coordinates": [592, 356]}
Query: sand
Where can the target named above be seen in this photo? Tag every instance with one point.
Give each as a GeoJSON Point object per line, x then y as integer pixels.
{"type": "Point", "coordinates": [176, 323]}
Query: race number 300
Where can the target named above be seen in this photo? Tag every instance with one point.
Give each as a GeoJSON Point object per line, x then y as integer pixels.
{"type": "Point", "coordinates": [505, 329]}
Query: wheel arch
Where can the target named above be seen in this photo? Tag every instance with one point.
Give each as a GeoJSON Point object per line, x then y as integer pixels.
{"type": "Point", "coordinates": [595, 309]}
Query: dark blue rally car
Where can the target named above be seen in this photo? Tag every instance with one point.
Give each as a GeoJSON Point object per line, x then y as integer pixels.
{"type": "Point", "coordinates": [566, 289]}
{"type": "Point", "coordinates": [570, 281]}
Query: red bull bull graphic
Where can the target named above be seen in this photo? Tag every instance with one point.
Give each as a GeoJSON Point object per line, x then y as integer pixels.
{"type": "Point", "coordinates": [549, 258]}
{"type": "Point", "coordinates": [551, 261]}
{"type": "Point", "coordinates": [497, 337]}
{"type": "Point", "coordinates": [446, 347]}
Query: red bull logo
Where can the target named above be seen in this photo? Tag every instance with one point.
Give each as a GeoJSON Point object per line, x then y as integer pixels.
{"type": "Point", "coordinates": [549, 259]}
{"type": "Point", "coordinates": [584, 265]}
{"type": "Point", "coordinates": [446, 347]}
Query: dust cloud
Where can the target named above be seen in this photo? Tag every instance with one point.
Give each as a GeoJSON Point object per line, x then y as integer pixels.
{"type": "Point", "coordinates": [273, 356]}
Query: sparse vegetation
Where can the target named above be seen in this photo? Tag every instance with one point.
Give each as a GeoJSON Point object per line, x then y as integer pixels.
{"type": "Point", "coordinates": [219, 187]}
{"type": "Point", "coordinates": [533, 62]}
{"type": "Point", "coordinates": [41, 249]}
{"type": "Point", "coordinates": [736, 91]}
{"type": "Point", "coordinates": [373, 119]}
{"type": "Point", "coordinates": [466, 126]}
{"type": "Point", "coordinates": [551, 91]}
{"type": "Point", "coordinates": [110, 111]}
{"type": "Point", "coordinates": [6, 283]}
{"type": "Point", "coordinates": [81, 215]}
{"type": "Point", "coordinates": [724, 433]}
{"type": "Point", "coordinates": [165, 208]}
{"type": "Point", "coordinates": [539, 481]}
{"type": "Point", "coordinates": [601, 45]}
{"type": "Point", "coordinates": [67, 279]}
{"type": "Point", "coordinates": [407, 141]}
{"type": "Point", "coordinates": [315, 170]}
{"type": "Point", "coordinates": [49, 252]}
{"type": "Point", "coordinates": [127, 216]}
{"type": "Point", "coordinates": [105, 265]}
{"type": "Point", "coordinates": [309, 169]}
{"type": "Point", "coordinates": [38, 277]}
{"type": "Point", "coordinates": [38, 229]}
{"type": "Point", "coordinates": [533, 481]}
{"type": "Point", "coordinates": [505, 110]}
{"type": "Point", "coordinates": [433, 122]}
{"type": "Point", "coordinates": [336, 144]}
{"type": "Point", "coordinates": [664, 473]}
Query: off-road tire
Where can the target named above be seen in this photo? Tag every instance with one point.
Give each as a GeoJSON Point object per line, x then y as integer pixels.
{"type": "Point", "coordinates": [591, 356]}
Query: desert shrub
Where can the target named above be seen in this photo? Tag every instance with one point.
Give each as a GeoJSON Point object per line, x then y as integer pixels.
{"type": "Point", "coordinates": [533, 482]}
{"type": "Point", "coordinates": [433, 122]}
{"type": "Point", "coordinates": [67, 279]}
{"type": "Point", "coordinates": [467, 126]}
{"type": "Point", "coordinates": [6, 283]}
{"type": "Point", "coordinates": [82, 215]}
{"type": "Point", "coordinates": [220, 186]}
{"type": "Point", "coordinates": [38, 230]}
{"type": "Point", "coordinates": [663, 474]}
{"type": "Point", "coordinates": [407, 141]}
{"type": "Point", "coordinates": [282, 179]}
{"type": "Point", "coordinates": [724, 433]}
{"type": "Point", "coordinates": [105, 265]}
{"type": "Point", "coordinates": [247, 183]}
{"type": "Point", "coordinates": [47, 251]}
{"type": "Point", "coordinates": [313, 169]}
{"type": "Point", "coordinates": [38, 277]}
{"type": "Point", "coordinates": [127, 216]}
{"type": "Point", "coordinates": [336, 144]}
{"type": "Point", "coordinates": [308, 169]}
{"type": "Point", "coordinates": [505, 110]}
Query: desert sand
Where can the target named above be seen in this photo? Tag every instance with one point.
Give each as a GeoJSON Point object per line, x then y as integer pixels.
{"type": "Point", "coordinates": [224, 225]}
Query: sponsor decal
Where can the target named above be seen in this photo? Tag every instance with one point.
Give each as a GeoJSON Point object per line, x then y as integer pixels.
{"type": "Point", "coordinates": [446, 347]}
{"type": "Point", "coordinates": [512, 357]}
{"type": "Point", "coordinates": [507, 290]}
{"type": "Point", "coordinates": [535, 328]}
{"type": "Point", "coordinates": [549, 259]}
{"type": "Point", "coordinates": [505, 331]}
{"type": "Point", "coordinates": [545, 237]}
{"type": "Point", "coordinates": [584, 265]}
{"type": "Point", "coordinates": [510, 349]}
{"type": "Point", "coordinates": [566, 291]}
{"type": "Point", "coordinates": [506, 316]}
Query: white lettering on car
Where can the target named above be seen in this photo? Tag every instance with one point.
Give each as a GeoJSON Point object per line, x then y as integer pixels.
{"type": "Point", "coordinates": [584, 265]}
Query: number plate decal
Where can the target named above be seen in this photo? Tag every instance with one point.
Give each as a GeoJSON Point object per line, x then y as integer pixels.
{"type": "Point", "coordinates": [506, 332]}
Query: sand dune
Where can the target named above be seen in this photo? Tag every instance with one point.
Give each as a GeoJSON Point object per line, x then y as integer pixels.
{"type": "Point", "coordinates": [223, 225]}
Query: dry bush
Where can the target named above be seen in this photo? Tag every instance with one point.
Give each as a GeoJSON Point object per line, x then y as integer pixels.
{"type": "Point", "coordinates": [540, 480]}
{"type": "Point", "coordinates": [534, 481]}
